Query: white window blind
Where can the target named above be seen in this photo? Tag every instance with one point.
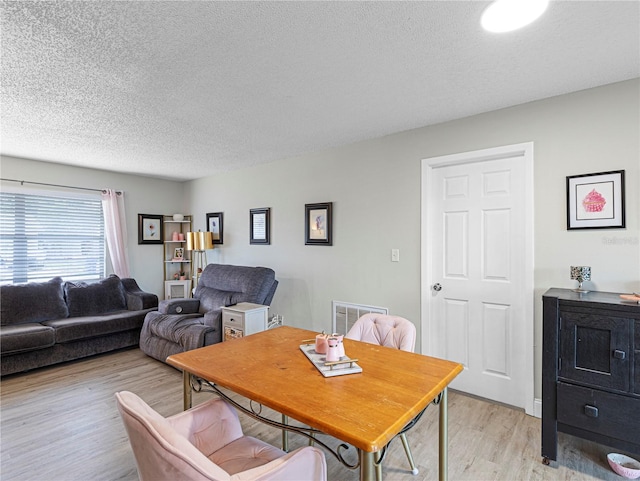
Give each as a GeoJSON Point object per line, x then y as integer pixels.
{"type": "Point", "coordinates": [43, 236]}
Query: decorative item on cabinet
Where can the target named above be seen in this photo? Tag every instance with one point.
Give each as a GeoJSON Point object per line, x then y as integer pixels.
{"type": "Point", "coordinates": [177, 259]}
{"type": "Point", "coordinates": [580, 274]}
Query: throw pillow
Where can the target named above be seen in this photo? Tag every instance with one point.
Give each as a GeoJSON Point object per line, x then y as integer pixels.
{"type": "Point", "coordinates": [106, 295]}
{"type": "Point", "coordinates": [32, 302]}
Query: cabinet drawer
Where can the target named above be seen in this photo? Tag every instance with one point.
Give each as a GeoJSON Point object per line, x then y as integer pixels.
{"type": "Point", "coordinates": [601, 412]}
{"type": "Point", "coordinates": [233, 319]}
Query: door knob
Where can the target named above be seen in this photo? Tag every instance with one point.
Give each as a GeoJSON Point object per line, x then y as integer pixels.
{"type": "Point", "coordinates": [437, 287]}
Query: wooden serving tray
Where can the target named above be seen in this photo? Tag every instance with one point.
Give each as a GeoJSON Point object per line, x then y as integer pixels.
{"type": "Point", "coordinates": [339, 368]}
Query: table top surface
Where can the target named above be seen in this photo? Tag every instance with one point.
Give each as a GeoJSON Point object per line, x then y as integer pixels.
{"type": "Point", "coordinates": [365, 410]}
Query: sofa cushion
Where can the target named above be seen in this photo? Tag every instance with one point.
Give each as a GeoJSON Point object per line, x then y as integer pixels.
{"type": "Point", "coordinates": [84, 299]}
{"type": "Point", "coordinates": [32, 302]}
{"type": "Point", "coordinates": [84, 327]}
{"type": "Point", "coordinates": [214, 299]}
{"type": "Point", "coordinates": [25, 337]}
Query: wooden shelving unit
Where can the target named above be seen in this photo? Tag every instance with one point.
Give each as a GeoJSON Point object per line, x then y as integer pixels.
{"type": "Point", "coordinates": [174, 285]}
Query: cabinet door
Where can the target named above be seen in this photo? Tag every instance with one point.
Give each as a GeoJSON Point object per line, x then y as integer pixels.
{"type": "Point", "coordinates": [176, 289]}
{"type": "Point", "coordinates": [636, 357]}
{"type": "Point", "coordinates": [594, 349]}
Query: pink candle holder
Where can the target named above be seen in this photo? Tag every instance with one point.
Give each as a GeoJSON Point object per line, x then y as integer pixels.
{"type": "Point", "coordinates": [321, 343]}
{"type": "Point", "coordinates": [332, 350]}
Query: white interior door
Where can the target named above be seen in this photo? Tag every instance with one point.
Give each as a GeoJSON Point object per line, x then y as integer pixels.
{"type": "Point", "coordinates": [478, 270]}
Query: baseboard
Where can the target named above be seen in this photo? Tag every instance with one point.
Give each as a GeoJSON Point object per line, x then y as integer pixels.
{"type": "Point", "coordinates": [537, 407]}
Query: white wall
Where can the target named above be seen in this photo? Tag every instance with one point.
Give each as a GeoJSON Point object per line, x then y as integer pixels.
{"type": "Point", "coordinates": [143, 195]}
{"type": "Point", "coordinates": [375, 188]}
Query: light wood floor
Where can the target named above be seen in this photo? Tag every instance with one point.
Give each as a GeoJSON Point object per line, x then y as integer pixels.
{"type": "Point", "coordinates": [61, 424]}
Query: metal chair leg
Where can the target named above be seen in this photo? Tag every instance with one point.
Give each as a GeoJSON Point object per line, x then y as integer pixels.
{"type": "Point", "coordinates": [378, 465]}
{"type": "Point", "coordinates": [407, 450]}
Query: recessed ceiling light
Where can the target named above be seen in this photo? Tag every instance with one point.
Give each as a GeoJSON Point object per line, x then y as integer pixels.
{"type": "Point", "coordinates": [507, 15]}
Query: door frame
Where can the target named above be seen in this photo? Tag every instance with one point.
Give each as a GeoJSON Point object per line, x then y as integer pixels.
{"type": "Point", "coordinates": [523, 152]}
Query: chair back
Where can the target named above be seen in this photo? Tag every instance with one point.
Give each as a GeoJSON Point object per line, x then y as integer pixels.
{"type": "Point", "coordinates": [225, 285]}
{"type": "Point", "coordinates": [161, 453]}
{"type": "Point", "coordinates": [384, 330]}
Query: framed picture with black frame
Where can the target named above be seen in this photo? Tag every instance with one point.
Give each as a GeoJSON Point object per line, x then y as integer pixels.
{"type": "Point", "coordinates": [596, 201]}
{"type": "Point", "coordinates": [216, 227]}
{"type": "Point", "coordinates": [259, 226]}
{"type": "Point", "coordinates": [318, 224]}
{"type": "Point", "coordinates": [150, 229]}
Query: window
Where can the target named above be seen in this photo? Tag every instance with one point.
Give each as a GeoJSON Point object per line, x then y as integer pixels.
{"type": "Point", "coordinates": [43, 236]}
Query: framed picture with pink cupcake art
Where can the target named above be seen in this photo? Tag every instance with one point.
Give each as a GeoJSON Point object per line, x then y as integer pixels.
{"type": "Point", "coordinates": [596, 201]}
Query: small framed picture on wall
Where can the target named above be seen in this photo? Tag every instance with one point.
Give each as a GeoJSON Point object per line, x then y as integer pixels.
{"type": "Point", "coordinates": [150, 229]}
{"type": "Point", "coordinates": [318, 224]}
{"type": "Point", "coordinates": [216, 227]}
{"type": "Point", "coordinates": [259, 226]}
{"type": "Point", "coordinates": [596, 201]}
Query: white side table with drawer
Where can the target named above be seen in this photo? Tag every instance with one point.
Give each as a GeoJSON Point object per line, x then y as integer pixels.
{"type": "Point", "coordinates": [243, 319]}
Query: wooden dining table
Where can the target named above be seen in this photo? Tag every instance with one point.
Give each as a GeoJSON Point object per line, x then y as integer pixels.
{"type": "Point", "coordinates": [366, 410]}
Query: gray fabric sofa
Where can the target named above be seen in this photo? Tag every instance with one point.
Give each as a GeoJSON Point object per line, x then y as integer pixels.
{"type": "Point", "coordinates": [44, 323]}
{"type": "Point", "coordinates": [184, 324]}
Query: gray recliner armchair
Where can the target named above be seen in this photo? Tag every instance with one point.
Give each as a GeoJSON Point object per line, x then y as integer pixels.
{"type": "Point", "coordinates": [184, 324]}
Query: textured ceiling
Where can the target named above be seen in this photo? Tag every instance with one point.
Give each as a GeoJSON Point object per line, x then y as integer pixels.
{"type": "Point", "coordinates": [183, 90]}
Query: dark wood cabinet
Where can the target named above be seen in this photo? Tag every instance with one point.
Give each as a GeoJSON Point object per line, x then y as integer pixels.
{"type": "Point", "coordinates": [590, 369]}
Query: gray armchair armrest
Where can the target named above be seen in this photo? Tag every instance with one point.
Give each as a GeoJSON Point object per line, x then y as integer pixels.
{"type": "Point", "coordinates": [137, 299]}
{"type": "Point", "coordinates": [179, 306]}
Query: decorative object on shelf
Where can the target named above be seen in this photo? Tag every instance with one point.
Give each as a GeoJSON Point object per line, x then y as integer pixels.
{"type": "Point", "coordinates": [180, 276]}
{"type": "Point", "coordinates": [175, 236]}
{"type": "Point", "coordinates": [198, 242]}
{"type": "Point", "coordinates": [150, 229]}
{"type": "Point", "coordinates": [596, 201]}
{"type": "Point", "coordinates": [178, 254]}
{"type": "Point", "coordinates": [580, 274]}
{"type": "Point", "coordinates": [215, 226]}
{"type": "Point", "coordinates": [318, 224]}
{"type": "Point", "coordinates": [178, 217]}
{"type": "Point", "coordinates": [259, 226]}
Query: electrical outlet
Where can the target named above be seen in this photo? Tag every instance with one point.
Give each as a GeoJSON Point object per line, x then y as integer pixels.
{"type": "Point", "coordinates": [395, 255]}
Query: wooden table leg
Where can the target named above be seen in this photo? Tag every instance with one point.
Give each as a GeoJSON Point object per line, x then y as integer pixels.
{"type": "Point", "coordinates": [367, 466]}
{"type": "Point", "coordinates": [186, 390]}
{"type": "Point", "coordinates": [285, 435]}
{"type": "Point", "coordinates": [443, 441]}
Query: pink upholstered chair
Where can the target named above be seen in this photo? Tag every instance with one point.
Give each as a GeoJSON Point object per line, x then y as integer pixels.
{"type": "Point", "coordinates": [390, 331]}
{"type": "Point", "coordinates": [207, 443]}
